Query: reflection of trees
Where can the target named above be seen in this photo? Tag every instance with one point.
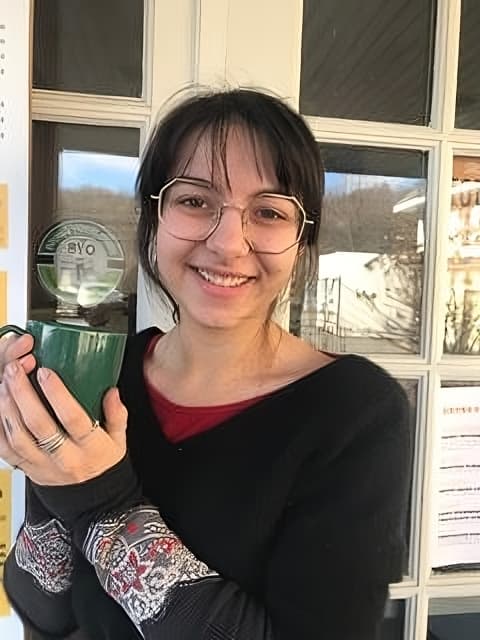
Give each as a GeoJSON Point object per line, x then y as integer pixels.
{"type": "Point", "coordinates": [462, 323]}
{"type": "Point", "coordinates": [462, 319]}
{"type": "Point", "coordinates": [114, 210]}
{"type": "Point", "coordinates": [361, 220]}
{"type": "Point", "coordinates": [400, 311]}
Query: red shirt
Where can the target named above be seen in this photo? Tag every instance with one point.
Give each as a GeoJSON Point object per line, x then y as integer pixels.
{"type": "Point", "coordinates": [179, 422]}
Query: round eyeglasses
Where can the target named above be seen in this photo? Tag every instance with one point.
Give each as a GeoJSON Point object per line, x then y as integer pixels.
{"type": "Point", "coordinates": [192, 209]}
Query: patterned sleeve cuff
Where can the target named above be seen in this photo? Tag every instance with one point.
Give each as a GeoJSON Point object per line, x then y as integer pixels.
{"type": "Point", "coordinates": [78, 505]}
{"type": "Point", "coordinates": [139, 560]}
{"type": "Point", "coordinates": [45, 552]}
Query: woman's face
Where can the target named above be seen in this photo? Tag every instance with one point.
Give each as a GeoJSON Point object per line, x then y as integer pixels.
{"type": "Point", "coordinates": [219, 282]}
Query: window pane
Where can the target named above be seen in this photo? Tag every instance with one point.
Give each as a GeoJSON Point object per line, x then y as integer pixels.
{"type": "Point", "coordinates": [89, 46]}
{"type": "Point", "coordinates": [394, 620]}
{"type": "Point", "coordinates": [453, 618]}
{"type": "Point", "coordinates": [468, 97]}
{"type": "Point", "coordinates": [367, 297]}
{"type": "Point", "coordinates": [84, 174]}
{"type": "Point", "coordinates": [462, 320]}
{"type": "Point", "coordinates": [370, 60]}
{"type": "Point", "coordinates": [410, 387]}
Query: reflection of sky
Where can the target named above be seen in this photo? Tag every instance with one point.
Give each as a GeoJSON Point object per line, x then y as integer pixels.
{"type": "Point", "coordinates": [117, 173]}
{"type": "Point", "coordinates": [347, 182]}
{"type": "Point", "coordinates": [97, 170]}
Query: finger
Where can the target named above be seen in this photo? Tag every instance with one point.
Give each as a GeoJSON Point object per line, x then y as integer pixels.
{"type": "Point", "coordinates": [20, 441]}
{"type": "Point", "coordinates": [17, 443]}
{"type": "Point", "coordinates": [41, 466]}
{"type": "Point", "coordinates": [28, 362]}
{"type": "Point", "coordinates": [116, 415]}
{"type": "Point", "coordinates": [7, 454]}
{"type": "Point", "coordinates": [15, 347]}
{"type": "Point", "coordinates": [33, 412]}
{"type": "Point", "coordinates": [69, 411]}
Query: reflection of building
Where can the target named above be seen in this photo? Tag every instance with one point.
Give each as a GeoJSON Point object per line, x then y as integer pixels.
{"type": "Point", "coordinates": [370, 267]}
{"type": "Point", "coordinates": [462, 322]}
{"type": "Point", "coordinates": [361, 296]}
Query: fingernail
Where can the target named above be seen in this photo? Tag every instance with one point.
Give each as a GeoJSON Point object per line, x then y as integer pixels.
{"type": "Point", "coordinates": [43, 374]}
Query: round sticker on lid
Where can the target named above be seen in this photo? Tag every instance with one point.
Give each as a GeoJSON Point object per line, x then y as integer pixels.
{"type": "Point", "coordinates": [80, 262]}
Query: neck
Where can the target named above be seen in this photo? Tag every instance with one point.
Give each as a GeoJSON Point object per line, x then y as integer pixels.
{"type": "Point", "coordinates": [194, 351]}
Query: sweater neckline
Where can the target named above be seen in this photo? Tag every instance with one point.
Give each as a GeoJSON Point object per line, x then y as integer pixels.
{"type": "Point", "coordinates": [148, 334]}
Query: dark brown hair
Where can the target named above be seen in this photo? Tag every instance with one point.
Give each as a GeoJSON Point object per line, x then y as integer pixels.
{"type": "Point", "coordinates": [271, 125]}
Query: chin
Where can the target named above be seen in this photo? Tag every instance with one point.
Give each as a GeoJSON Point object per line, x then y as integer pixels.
{"type": "Point", "coordinates": [218, 321]}
{"type": "Point", "coordinates": [222, 317]}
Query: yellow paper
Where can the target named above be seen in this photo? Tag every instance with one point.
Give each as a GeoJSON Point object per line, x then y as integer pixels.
{"type": "Point", "coordinates": [3, 298]}
{"type": "Point", "coordinates": [3, 216]}
{"type": "Point", "coordinates": [4, 603]}
{"type": "Point", "coordinates": [5, 528]}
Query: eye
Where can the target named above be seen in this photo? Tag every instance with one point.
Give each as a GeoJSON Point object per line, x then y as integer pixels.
{"type": "Point", "coordinates": [195, 202]}
{"type": "Point", "coordinates": [268, 214]}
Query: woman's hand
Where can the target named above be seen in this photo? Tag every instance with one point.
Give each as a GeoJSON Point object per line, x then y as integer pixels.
{"type": "Point", "coordinates": [86, 451]}
{"type": "Point", "coordinates": [14, 347]}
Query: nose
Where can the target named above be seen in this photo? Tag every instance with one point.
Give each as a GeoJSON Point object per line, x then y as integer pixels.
{"type": "Point", "coordinates": [228, 237]}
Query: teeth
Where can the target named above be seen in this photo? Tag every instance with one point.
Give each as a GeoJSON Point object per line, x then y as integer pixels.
{"type": "Point", "coordinates": [223, 280]}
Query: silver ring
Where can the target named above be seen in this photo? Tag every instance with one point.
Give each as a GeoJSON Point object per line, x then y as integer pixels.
{"type": "Point", "coordinates": [95, 425]}
{"type": "Point", "coordinates": [53, 442]}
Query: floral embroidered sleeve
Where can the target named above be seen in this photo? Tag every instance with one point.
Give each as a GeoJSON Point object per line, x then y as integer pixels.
{"type": "Point", "coordinates": [142, 564]}
{"type": "Point", "coordinates": [38, 570]}
{"type": "Point", "coordinates": [139, 561]}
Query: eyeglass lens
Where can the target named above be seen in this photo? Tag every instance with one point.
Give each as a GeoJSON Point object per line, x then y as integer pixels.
{"type": "Point", "coordinates": [190, 211]}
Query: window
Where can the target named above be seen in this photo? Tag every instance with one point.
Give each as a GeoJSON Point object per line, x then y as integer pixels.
{"type": "Point", "coordinates": [89, 46]}
{"type": "Point", "coordinates": [370, 266]}
{"type": "Point", "coordinates": [85, 174]}
{"type": "Point", "coordinates": [453, 618]}
{"type": "Point", "coordinates": [394, 621]}
{"type": "Point", "coordinates": [369, 60]}
{"type": "Point", "coordinates": [468, 97]}
{"type": "Point", "coordinates": [462, 319]}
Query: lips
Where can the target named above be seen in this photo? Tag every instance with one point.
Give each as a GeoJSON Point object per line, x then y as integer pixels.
{"type": "Point", "coordinates": [223, 278]}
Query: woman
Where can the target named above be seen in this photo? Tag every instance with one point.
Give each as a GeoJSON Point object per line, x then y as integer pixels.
{"type": "Point", "coordinates": [260, 488]}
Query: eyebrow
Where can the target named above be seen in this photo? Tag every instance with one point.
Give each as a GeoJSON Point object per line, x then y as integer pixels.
{"type": "Point", "coordinates": [207, 183]}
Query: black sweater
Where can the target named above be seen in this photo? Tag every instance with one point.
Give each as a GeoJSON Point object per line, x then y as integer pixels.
{"type": "Point", "coordinates": [287, 521]}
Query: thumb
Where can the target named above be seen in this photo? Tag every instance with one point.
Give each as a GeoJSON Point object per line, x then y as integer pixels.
{"type": "Point", "coordinates": [116, 416]}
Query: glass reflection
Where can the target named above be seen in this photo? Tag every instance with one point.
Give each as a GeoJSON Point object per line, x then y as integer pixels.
{"type": "Point", "coordinates": [454, 618]}
{"type": "Point", "coordinates": [394, 621]}
{"type": "Point", "coordinates": [410, 386]}
{"type": "Point", "coordinates": [87, 174]}
{"type": "Point", "coordinates": [468, 103]}
{"type": "Point", "coordinates": [370, 266]}
{"type": "Point", "coordinates": [89, 46]}
{"type": "Point", "coordinates": [368, 60]}
{"type": "Point", "coordinates": [462, 318]}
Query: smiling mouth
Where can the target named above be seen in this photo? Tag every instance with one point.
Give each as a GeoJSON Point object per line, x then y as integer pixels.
{"type": "Point", "coordinates": [223, 279]}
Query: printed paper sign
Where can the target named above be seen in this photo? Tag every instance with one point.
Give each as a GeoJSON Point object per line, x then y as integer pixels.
{"type": "Point", "coordinates": [458, 479]}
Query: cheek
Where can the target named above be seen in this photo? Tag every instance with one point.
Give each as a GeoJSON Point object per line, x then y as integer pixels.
{"type": "Point", "coordinates": [165, 258]}
{"type": "Point", "coordinates": [281, 268]}
{"type": "Point", "coordinates": [172, 256]}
